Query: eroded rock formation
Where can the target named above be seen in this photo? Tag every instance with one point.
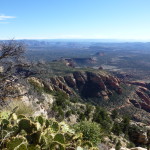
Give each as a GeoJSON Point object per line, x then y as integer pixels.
{"type": "Point", "coordinates": [88, 84]}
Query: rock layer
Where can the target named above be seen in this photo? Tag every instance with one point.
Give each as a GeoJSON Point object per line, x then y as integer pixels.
{"type": "Point", "coordinates": [143, 92]}
{"type": "Point", "coordinates": [87, 84]}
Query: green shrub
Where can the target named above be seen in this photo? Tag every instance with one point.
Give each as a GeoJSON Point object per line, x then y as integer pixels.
{"type": "Point", "coordinates": [130, 145]}
{"type": "Point", "coordinates": [88, 110]}
{"type": "Point", "coordinates": [68, 113]}
{"type": "Point", "coordinates": [114, 114]}
{"type": "Point", "coordinates": [116, 129]}
{"type": "Point", "coordinates": [101, 116]}
{"type": "Point", "coordinates": [61, 99]}
{"type": "Point", "coordinates": [118, 146]}
{"type": "Point", "coordinates": [82, 117]}
{"type": "Point", "coordinates": [125, 124]}
{"type": "Point", "coordinates": [91, 131]}
{"type": "Point", "coordinates": [74, 99]}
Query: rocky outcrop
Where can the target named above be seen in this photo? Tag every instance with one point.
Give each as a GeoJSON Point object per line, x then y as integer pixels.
{"type": "Point", "coordinates": [96, 79]}
{"type": "Point", "coordinates": [135, 103]}
{"type": "Point", "coordinates": [144, 103]}
{"type": "Point", "coordinates": [141, 105]}
{"type": "Point", "coordinates": [87, 84]}
{"type": "Point", "coordinates": [145, 106]}
{"type": "Point", "coordinates": [35, 81]}
{"type": "Point", "coordinates": [139, 134]}
{"type": "Point", "coordinates": [143, 96]}
{"type": "Point", "coordinates": [143, 92]}
{"type": "Point", "coordinates": [71, 82]}
{"type": "Point", "coordinates": [80, 79]}
{"type": "Point", "coordinates": [94, 86]}
{"type": "Point", "coordinates": [58, 83]}
{"type": "Point", "coordinates": [139, 83]}
{"type": "Point", "coordinates": [114, 84]}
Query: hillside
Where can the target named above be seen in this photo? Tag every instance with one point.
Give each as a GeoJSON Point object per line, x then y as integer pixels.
{"type": "Point", "coordinates": [100, 110]}
{"type": "Point", "coordinates": [97, 87]}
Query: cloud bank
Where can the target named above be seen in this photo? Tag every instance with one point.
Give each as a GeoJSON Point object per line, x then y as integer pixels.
{"type": "Point", "coordinates": [4, 17]}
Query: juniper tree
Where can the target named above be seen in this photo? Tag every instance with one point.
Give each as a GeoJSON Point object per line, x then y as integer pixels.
{"type": "Point", "coordinates": [11, 58]}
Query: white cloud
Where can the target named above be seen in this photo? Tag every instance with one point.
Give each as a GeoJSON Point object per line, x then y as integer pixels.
{"type": "Point", "coordinates": [4, 17]}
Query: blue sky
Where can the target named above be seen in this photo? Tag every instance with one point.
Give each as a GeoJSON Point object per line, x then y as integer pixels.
{"type": "Point", "coordinates": [89, 19]}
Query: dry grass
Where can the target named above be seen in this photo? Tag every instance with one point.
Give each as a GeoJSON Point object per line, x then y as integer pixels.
{"type": "Point", "coordinates": [22, 108]}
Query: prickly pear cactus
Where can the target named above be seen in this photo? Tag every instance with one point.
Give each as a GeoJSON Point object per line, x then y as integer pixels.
{"type": "Point", "coordinates": [4, 123]}
{"type": "Point", "coordinates": [47, 123]}
{"type": "Point", "coordinates": [40, 119]}
{"type": "Point", "coordinates": [87, 144]}
{"type": "Point", "coordinates": [68, 136]}
{"type": "Point", "coordinates": [77, 136]}
{"type": "Point", "coordinates": [65, 128]}
{"type": "Point", "coordinates": [94, 148]}
{"type": "Point", "coordinates": [33, 147]}
{"type": "Point", "coordinates": [15, 142]}
{"type": "Point", "coordinates": [22, 133]}
{"type": "Point", "coordinates": [79, 142]}
{"type": "Point", "coordinates": [21, 116]}
{"type": "Point", "coordinates": [21, 147]}
{"type": "Point", "coordinates": [3, 133]}
{"type": "Point", "coordinates": [55, 126]}
{"type": "Point", "coordinates": [57, 146]}
{"type": "Point", "coordinates": [46, 138]}
{"type": "Point", "coordinates": [4, 114]}
{"type": "Point", "coordinates": [34, 138]}
{"type": "Point", "coordinates": [27, 125]}
{"type": "Point", "coordinates": [38, 126]}
{"type": "Point", "coordinates": [59, 138]}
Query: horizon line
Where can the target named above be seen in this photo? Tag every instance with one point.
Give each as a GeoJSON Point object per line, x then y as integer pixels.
{"type": "Point", "coordinates": [114, 39]}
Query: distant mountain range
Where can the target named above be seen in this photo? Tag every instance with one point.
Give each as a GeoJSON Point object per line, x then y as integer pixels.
{"type": "Point", "coordinates": [87, 40]}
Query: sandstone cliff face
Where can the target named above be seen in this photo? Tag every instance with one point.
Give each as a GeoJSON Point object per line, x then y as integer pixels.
{"type": "Point", "coordinates": [91, 85]}
{"type": "Point", "coordinates": [143, 92]}
{"type": "Point", "coordinates": [96, 85]}
{"type": "Point", "coordinates": [87, 84]}
{"type": "Point", "coordinates": [139, 83]}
